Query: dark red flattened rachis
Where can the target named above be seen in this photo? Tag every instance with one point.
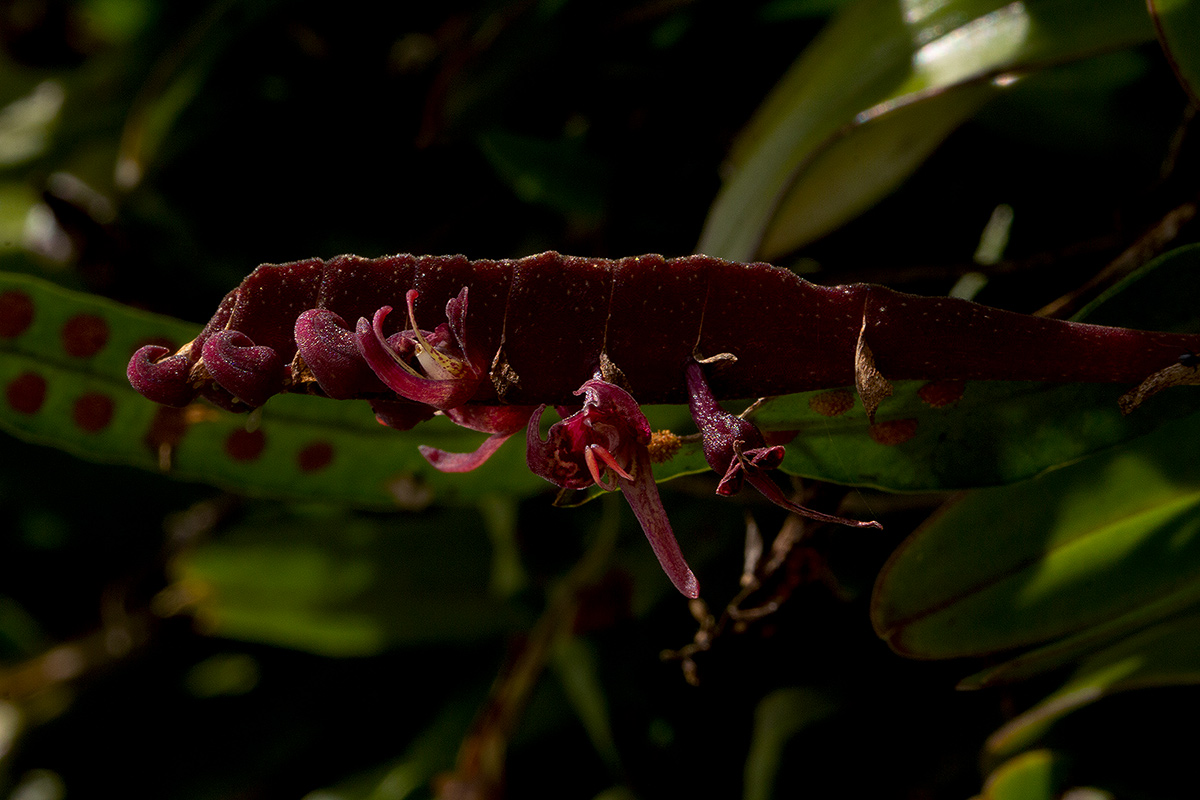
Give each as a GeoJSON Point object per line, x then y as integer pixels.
{"type": "Point", "coordinates": [538, 326]}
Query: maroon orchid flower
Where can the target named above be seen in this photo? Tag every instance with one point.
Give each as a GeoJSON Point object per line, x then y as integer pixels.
{"type": "Point", "coordinates": [605, 443]}
{"type": "Point", "coordinates": [447, 378]}
{"type": "Point", "coordinates": [736, 450]}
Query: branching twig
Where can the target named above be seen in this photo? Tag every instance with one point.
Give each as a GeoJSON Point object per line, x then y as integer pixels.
{"type": "Point", "coordinates": [768, 580]}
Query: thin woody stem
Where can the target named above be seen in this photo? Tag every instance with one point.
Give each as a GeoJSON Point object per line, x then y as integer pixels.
{"type": "Point", "coordinates": [481, 758]}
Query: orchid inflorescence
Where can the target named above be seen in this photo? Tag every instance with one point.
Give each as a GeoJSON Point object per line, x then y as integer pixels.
{"type": "Point", "coordinates": [604, 441]}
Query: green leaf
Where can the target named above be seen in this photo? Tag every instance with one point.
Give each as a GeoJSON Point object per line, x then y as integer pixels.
{"type": "Point", "coordinates": [1038, 775]}
{"type": "Point", "coordinates": [1073, 548]}
{"type": "Point", "coordinates": [1066, 651]}
{"type": "Point", "coordinates": [26, 123]}
{"type": "Point", "coordinates": [1105, 542]}
{"type": "Point", "coordinates": [997, 433]}
{"type": "Point", "coordinates": [875, 93]}
{"type": "Point", "coordinates": [780, 716]}
{"type": "Point", "coordinates": [340, 585]}
{"type": "Point", "coordinates": [296, 447]}
{"type": "Point", "coordinates": [1178, 26]}
{"type": "Point", "coordinates": [1167, 654]}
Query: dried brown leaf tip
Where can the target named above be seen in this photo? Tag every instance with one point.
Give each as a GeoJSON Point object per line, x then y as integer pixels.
{"type": "Point", "coordinates": [1184, 372]}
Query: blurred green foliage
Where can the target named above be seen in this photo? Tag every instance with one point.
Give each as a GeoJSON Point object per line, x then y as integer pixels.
{"type": "Point", "coordinates": [267, 629]}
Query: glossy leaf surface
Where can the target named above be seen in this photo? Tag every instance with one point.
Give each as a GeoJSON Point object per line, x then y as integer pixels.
{"type": "Point", "coordinates": [875, 94]}
{"type": "Point", "coordinates": [1031, 776]}
{"type": "Point", "coordinates": [1014, 566]}
{"type": "Point", "coordinates": [1070, 549]}
{"type": "Point", "coordinates": [1178, 26]}
{"type": "Point", "coordinates": [1167, 654]}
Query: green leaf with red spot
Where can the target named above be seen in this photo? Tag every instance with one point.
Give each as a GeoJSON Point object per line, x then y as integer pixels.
{"type": "Point", "coordinates": [63, 369]}
{"type": "Point", "coordinates": [1091, 551]}
{"type": "Point", "coordinates": [63, 379]}
{"type": "Point", "coordinates": [994, 434]}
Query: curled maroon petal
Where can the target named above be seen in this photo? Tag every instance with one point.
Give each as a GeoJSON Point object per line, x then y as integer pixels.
{"type": "Point", "coordinates": [605, 443]}
{"type": "Point", "coordinates": [394, 370]}
{"type": "Point", "coordinates": [735, 448]}
{"type": "Point", "coordinates": [500, 421]}
{"type": "Point", "coordinates": [251, 373]}
{"type": "Point", "coordinates": [445, 461]}
{"type": "Point", "coordinates": [160, 377]}
{"type": "Point", "coordinates": [331, 353]}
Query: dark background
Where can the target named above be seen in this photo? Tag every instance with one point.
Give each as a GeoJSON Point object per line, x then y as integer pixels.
{"type": "Point", "coordinates": [272, 131]}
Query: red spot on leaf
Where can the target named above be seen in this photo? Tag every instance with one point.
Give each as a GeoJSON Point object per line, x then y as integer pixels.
{"type": "Point", "coordinates": [315, 456]}
{"type": "Point", "coordinates": [243, 445]}
{"type": "Point", "coordinates": [16, 313]}
{"type": "Point", "coordinates": [832, 404]}
{"type": "Point", "coordinates": [92, 412]}
{"type": "Point", "coordinates": [26, 393]}
{"type": "Point", "coordinates": [939, 394]}
{"type": "Point", "coordinates": [84, 335]}
{"type": "Point", "coordinates": [167, 429]}
{"type": "Point", "coordinates": [894, 431]}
